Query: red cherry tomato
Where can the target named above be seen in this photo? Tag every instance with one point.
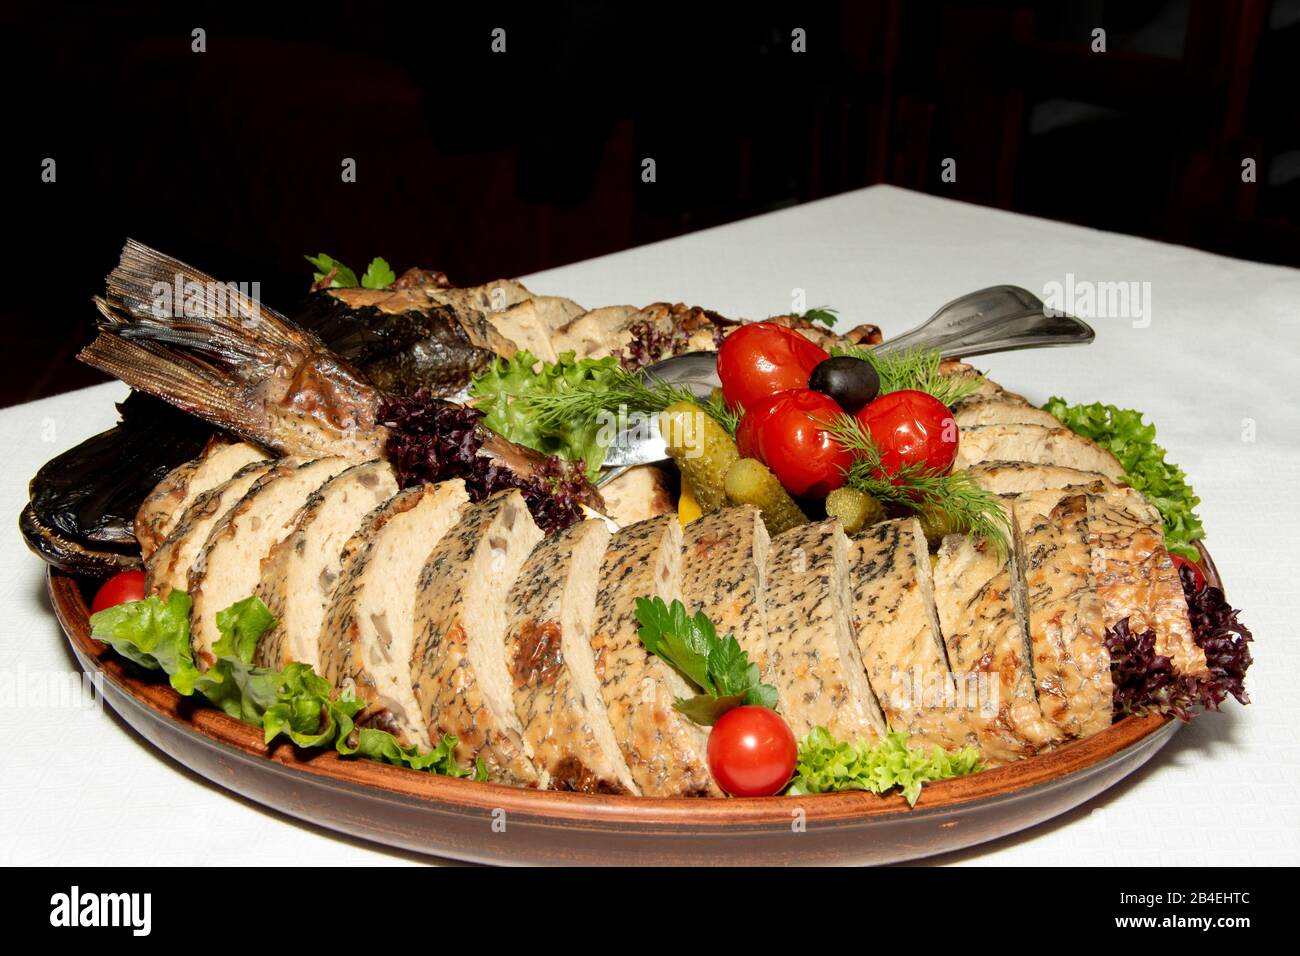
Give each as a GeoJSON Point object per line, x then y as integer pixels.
{"type": "Point", "coordinates": [911, 427]}
{"type": "Point", "coordinates": [782, 432]}
{"type": "Point", "coordinates": [1197, 574]}
{"type": "Point", "coordinates": [752, 752]}
{"type": "Point", "coordinates": [761, 359]}
{"type": "Point", "coordinates": [750, 424]}
{"type": "Point", "coordinates": [120, 588]}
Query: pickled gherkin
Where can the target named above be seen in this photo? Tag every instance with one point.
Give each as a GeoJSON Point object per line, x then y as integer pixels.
{"type": "Point", "coordinates": [701, 449]}
{"type": "Point", "coordinates": [937, 525]}
{"type": "Point", "coordinates": [749, 482]}
{"type": "Point", "coordinates": [855, 509]}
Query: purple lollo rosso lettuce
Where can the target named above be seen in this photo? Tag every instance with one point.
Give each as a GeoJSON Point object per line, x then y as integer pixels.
{"type": "Point", "coordinates": [1146, 682]}
{"type": "Point", "coordinates": [434, 440]}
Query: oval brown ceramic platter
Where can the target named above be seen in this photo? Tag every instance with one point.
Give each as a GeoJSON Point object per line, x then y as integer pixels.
{"type": "Point", "coordinates": [487, 823]}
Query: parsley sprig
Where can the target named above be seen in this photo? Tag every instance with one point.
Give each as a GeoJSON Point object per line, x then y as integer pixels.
{"type": "Point", "coordinates": [378, 275]}
{"type": "Point", "coordinates": [956, 494]}
{"type": "Point", "coordinates": [717, 666]}
{"type": "Point", "coordinates": [820, 313]}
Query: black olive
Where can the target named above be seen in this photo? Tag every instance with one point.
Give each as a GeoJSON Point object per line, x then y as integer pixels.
{"type": "Point", "coordinates": [850, 381]}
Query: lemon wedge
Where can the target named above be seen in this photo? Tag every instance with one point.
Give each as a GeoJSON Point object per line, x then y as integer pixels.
{"type": "Point", "coordinates": [688, 509]}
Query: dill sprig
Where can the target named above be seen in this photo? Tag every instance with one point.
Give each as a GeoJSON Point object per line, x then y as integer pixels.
{"type": "Point", "coordinates": [915, 369]}
{"type": "Point", "coordinates": [586, 400]}
{"type": "Point", "coordinates": [971, 508]}
{"type": "Point", "coordinates": [722, 413]}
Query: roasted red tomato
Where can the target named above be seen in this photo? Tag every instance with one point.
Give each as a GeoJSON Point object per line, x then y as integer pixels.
{"type": "Point", "coordinates": [911, 427]}
{"type": "Point", "coordinates": [752, 752]}
{"type": "Point", "coordinates": [761, 359]}
{"type": "Point", "coordinates": [120, 588]}
{"type": "Point", "coordinates": [1197, 574]}
{"type": "Point", "coordinates": [782, 432]}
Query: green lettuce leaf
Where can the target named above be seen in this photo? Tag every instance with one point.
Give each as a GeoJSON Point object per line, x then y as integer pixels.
{"type": "Point", "coordinates": [825, 765]}
{"type": "Point", "coordinates": [1133, 442]}
{"type": "Point", "coordinates": [240, 626]}
{"type": "Point", "coordinates": [153, 633]}
{"type": "Point", "coordinates": [294, 702]}
{"type": "Point", "coordinates": [306, 711]}
{"type": "Point", "coordinates": [382, 746]}
{"type": "Point", "coordinates": [504, 392]}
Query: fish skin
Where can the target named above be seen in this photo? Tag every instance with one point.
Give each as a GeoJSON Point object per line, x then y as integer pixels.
{"type": "Point", "coordinates": [402, 340]}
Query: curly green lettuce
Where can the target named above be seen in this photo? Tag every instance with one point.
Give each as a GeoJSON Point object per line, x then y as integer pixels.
{"type": "Point", "coordinates": [154, 633]}
{"type": "Point", "coordinates": [294, 701]}
{"type": "Point", "coordinates": [1122, 431]}
{"type": "Point", "coordinates": [825, 765]}
{"type": "Point", "coordinates": [507, 390]}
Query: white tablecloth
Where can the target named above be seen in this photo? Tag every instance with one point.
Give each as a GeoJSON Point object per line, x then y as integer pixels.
{"type": "Point", "coordinates": [1215, 362]}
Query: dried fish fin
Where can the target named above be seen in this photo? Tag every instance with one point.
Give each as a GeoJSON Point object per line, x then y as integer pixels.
{"type": "Point", "coordinates": [185, 382]}
{"type": "Point", "coordinates": [233, 320]}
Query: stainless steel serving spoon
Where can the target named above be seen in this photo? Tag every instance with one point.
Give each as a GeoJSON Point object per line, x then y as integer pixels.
{"type": "Point", "coordinates": [1001, 318]}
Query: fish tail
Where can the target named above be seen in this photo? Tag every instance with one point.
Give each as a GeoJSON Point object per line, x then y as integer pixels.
{"type": "Point", "coordinates": [186, 381]}
{"type": "Point", "coordinates": [216, 352]}
{"type": "Point", "coordinates": [153, 297]}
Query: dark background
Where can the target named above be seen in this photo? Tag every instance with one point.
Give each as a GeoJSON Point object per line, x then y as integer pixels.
{"type": "Point", "coordinates": [485, 165]}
